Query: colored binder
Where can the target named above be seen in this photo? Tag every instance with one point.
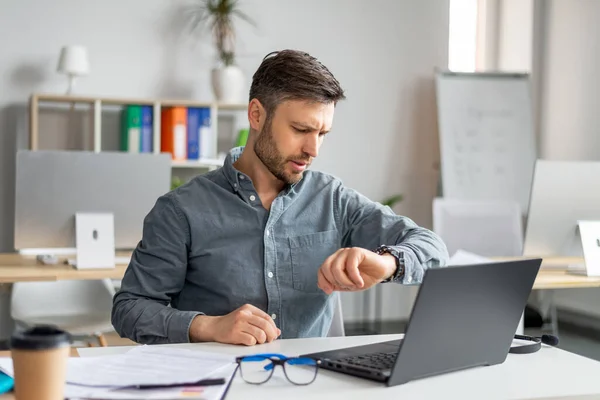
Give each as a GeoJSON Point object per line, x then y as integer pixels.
{"type": "Point", "coordinates": [207, 138]}
{"type": "Point", "coordinates": [131, 128]}
{"type": "Point", "coordinates": [194, 116]}
{"type": "Point", "coordinates": [146, 130]}
{"type": "Point", "coordinates": [174, 132]}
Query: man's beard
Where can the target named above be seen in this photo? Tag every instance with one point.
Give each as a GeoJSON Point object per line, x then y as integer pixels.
{"type": "Point", "coordinates": [267, 152]}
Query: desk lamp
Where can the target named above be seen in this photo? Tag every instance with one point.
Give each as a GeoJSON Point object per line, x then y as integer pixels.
{"type": "Point", "coordinates": [73, 62]}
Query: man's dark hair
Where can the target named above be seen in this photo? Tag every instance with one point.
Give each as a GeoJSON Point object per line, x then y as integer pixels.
{"type": "Point", "coordinates": [293, 75]}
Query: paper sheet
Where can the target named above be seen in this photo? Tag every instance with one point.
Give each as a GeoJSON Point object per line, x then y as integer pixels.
{"type": "Point", "coordinates": [145, 365]}
{"type": "Point", "coordinates": [202, 393]}
{"type": "Point", "coordinates": [462, 257]}
{"type": "Point", "coordinates": [6, 366]}
{"type": "Point", "coordinates": [164, 366]}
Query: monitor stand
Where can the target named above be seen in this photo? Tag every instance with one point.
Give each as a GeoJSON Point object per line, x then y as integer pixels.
{"type": "Point", "coordinates": [94, 240]}
{"type": "Point", "coordinates": [587, 239]}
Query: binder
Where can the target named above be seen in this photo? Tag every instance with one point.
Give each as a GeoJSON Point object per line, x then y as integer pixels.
{"type": "Point", "coordinates": [174, 132]}
{"type": "Point", "coordinates": [194, 117]}
{"type": "Point", "coordinates": [146, 130]}
{"type": "Point", "coordinates": [130, 128]}
{"type": "Point", "coordinates": [207, 139]}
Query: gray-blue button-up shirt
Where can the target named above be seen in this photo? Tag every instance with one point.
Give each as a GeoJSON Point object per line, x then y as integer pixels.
{"type": "Point", "coordinates": [209, 247]}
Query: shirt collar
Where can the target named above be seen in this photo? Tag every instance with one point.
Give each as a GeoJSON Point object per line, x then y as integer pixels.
{"type": "Point", "coordinates": [233, 174]}
{"type": "Point", "coordinates": [229, 170]}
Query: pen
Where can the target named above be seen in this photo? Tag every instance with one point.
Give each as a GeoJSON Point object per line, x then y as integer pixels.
{"type": "Point", "coordinates": [202, 382]}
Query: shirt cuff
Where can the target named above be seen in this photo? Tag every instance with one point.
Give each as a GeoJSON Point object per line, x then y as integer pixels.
{"type": "Point", "coordinates": [179, 326]}
{"type": "Point", "coordinates": [409, 264]}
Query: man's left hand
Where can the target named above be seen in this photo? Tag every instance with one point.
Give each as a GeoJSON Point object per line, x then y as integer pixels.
{"type": "Point", "coordinates": [354, 269]}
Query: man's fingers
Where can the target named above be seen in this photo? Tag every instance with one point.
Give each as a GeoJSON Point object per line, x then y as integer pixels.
{"type": "Point", "coordinates": [245, 339]}
{"type": "Point", "coordinates": [259, 313]}
{"type": "Point", "coordinates": [255, 311]}
{"type": "Point", "coordinates": [352, 263]}
{"type": "Point", "coordinates": [257, 333]}
{"type": "Point", "coordinates": [326, 271]}
{"type": "Point", "coordinates": [270, 331]}
{"type": "Point", "coordinates": [338, 270]}
{"type": "Point", "coordinates": [327, 283]}
{"type": "Point", "coordinates": [323, 283]}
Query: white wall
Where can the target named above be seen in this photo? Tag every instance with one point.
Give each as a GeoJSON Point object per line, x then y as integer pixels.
{"type": "Point", "coordinates": [557, 42]}
{"type": "Point", "coordinates": [569, 117]}
{"type": "Point", "coordinates": [384, 52]}
{"type": "Point", "coordinates": [515, 35]}
{"type": "Point", "coordinates": [570, 80]}
{"type": "Point", "coordinates": [564, 62]}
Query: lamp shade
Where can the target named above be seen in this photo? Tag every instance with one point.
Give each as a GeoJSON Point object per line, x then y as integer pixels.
{"type": "Point", "coordinates": [74, 61]}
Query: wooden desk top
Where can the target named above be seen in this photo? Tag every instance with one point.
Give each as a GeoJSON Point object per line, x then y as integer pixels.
{"type": "Point", "coordinates": [18, 268]}
{"type": "Point", "coordinates": [554, 274]}
{"type": "Point", "coordinates": [549, 263]}
{"type": "Point", "coordinates": [561, 279]}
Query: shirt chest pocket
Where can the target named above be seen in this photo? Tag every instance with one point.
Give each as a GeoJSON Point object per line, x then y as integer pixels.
{"type": "Point", "coordinates": [307, 253]}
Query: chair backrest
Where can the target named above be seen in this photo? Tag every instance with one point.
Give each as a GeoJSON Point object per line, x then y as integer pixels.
{"type": "Point", "coordinates": [337, 323]}
{"type": "Point", "coordinates": [486, 228]}
{"type": "Point", "coordinates": [41, 299]}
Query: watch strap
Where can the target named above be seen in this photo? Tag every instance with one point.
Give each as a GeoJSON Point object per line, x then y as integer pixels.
{"type": "Point", "coordinates": [399, 256]}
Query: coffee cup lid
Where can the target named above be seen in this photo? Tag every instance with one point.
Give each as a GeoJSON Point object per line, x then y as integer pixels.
{"type": "Point", "coordinates": [40, 338]}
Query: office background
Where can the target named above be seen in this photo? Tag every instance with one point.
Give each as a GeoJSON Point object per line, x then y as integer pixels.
{"type": "Point", "coordinates": [134, 52]}
{"type": "Point", "coordinates": [383, 52]}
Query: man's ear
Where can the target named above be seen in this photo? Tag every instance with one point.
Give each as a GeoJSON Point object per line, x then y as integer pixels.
{"type": "Point", "coordinates": [256, 115]}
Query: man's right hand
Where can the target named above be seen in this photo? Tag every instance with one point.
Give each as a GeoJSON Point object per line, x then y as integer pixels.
{"type": "Point", "coordinates": [248, 325]}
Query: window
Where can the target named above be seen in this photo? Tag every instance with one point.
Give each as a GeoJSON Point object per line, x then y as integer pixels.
{"type": "Point", "coordinates": [462, 35]}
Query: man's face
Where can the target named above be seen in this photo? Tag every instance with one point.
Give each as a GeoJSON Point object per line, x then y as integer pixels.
{"type": "Point", "coordinates": [288, 144]}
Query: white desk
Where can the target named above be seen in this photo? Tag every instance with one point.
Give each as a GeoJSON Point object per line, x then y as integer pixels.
{"type": "Point", "coordinates": [549, 373]}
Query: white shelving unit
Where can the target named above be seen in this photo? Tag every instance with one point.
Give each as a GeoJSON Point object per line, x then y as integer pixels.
{"type": "Point", "coordinates": [96, 106]}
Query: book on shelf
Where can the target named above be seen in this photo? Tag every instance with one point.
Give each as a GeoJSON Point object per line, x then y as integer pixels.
{"type": "Point", "coordinates": [174, 132]}
{"type": "Point", "coordinates": [207, 135]}
{"type": "Point", "coordinates": [193, 132]}
{"type": "Point", "coordinates": [131, 123]}
{"type": "Point", "coordinates": [146, 130]}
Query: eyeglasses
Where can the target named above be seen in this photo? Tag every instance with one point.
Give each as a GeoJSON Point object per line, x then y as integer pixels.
{"type": "Point", "coordinates": [258, 368]}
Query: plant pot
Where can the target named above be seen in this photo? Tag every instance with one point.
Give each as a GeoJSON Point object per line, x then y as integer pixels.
{"type": "Point", "coordinates": [228, 84]}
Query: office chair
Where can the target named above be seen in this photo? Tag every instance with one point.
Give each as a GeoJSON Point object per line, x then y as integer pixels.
{"type": "Point", "coordinates": [80, 307]}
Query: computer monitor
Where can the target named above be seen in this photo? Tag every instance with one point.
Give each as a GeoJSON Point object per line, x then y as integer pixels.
{"type": "Point", "coordinates": [52, 186]}
{"type": "Point", "coordinates": [563, 193]}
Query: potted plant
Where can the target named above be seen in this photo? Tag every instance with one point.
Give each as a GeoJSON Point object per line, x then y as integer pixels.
{"type": "Point", "coordinates": [219, 15]}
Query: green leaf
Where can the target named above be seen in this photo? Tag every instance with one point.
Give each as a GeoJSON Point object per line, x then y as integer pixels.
{"type": "Point", "coordinates": [245, 17]}
{"type": "Point", "coordinates": [176, 182]}
{"type": "Point", "coordinates": [392, 200]}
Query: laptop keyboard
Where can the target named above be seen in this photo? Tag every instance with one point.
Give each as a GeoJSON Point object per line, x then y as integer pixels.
{"type": "Point", "coordinates": [379, 361]}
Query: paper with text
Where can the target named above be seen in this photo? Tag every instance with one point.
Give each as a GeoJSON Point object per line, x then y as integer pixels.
{"type": "Point", "coordinates": [146, 365]}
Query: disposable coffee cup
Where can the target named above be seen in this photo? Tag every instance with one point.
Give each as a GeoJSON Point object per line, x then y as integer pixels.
{"type": "Point", "coordinates": [39, 359]}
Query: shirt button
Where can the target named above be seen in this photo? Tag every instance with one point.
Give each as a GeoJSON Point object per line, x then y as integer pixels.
{"type": "Point", "coordinates": [268, 233]}
{"type": "Point", "coordinates": [235, 185]}
{"type": "Point", "coordinates": [270, 274]}
{"type": "Point", "coordinates": [242, 177]}
{"type": "Point", "coordinates": [274, 316]}
{"type": "Point", "coordinates": [252, 197]}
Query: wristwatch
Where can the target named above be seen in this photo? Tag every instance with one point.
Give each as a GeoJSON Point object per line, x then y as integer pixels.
{"type": "Point", "coordinates": [399, 256]}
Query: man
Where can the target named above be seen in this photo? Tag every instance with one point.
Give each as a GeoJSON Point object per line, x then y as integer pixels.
{"type": "Point", "coordinates": [254, 251]}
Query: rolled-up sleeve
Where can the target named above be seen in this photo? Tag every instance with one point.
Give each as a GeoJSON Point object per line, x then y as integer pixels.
{"type": "Point", "coordinates": [154, 276]}
{"type": "Point", "coordinates": [368, 224]}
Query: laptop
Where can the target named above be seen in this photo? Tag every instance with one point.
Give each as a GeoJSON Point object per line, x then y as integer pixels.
{"type": "Point", "coordinates": [464, 316]}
